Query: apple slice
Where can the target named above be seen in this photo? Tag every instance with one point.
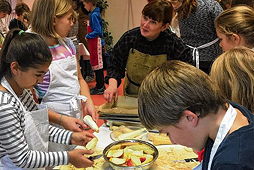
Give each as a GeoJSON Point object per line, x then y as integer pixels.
{"type": "Point", "coordinates": [117, 161]}
{"type": "Point", "coordinates": [137, 153]}
{"type": "Point", "coordinates": [118, 153]}
{"type": "Point", "coordinates": [136, 161]}
{"type": "Point", "coordinates": [148, 157]}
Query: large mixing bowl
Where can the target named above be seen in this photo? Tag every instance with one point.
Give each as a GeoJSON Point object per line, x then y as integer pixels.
{"type": "Point", "coordinates": [124, 143]}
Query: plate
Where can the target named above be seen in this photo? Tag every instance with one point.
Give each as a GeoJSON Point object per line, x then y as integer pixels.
{"type": "Point", "coordinates": [169, 153]}
{"type": "Point", "coordinates": [125, 129]}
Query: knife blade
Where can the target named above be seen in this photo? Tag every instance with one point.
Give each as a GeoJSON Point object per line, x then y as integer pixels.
{"type": "Point", "coordinates": [187, 160]}
{"type": "Point", "coordinates": [92, 158]}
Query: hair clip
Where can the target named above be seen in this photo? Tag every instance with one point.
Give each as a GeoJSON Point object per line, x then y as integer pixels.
{"type": "Point", "coordinates": [21, 31]}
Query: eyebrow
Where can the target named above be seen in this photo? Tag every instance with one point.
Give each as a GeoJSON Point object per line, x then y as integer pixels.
{"type": "Point", "coordinates": [41, 71]}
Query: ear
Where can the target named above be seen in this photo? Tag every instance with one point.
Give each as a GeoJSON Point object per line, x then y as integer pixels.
{"type": "Point", "coordinates": [14, 66]}
{"type": "Point", "coordinates": [236, 39]}
{"type": "Point", "coordinates": [191, 117]}
{"type": "Point", "coordinates": [54, 21]}
{"type": "Point", "coordinates": [164, 27]}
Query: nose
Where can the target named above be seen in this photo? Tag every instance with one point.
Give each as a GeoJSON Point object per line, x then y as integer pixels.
{"type": "Point", "coordinates": [146, 23]}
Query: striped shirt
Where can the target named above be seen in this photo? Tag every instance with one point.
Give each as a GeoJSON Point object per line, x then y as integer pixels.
{"type": "Point", "coordinates": [12, 139]}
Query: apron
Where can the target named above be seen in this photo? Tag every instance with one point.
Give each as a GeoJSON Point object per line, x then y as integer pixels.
{"type": "Point", "coordinates": [139, 65]}
{"type": "Point", "coordinates": [95, 50]}
{"type": "Point", "coordinates": [36, 130]}
{"type": "Point", "coordinates": [64, 85]}
{"type": "Point", "coordinates": [195, 52]}
{"type": "Point", "coordinates": [224, 128]}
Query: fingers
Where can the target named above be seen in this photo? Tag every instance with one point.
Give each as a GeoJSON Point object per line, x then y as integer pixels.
{"type": "Point", "coordinates": [90, 135]}
{"type": "Point", "coordinates": [77, 159]}
{"type": "Point", "coordinates": [85, 151]}
{"type": "Point", "coordinates": [81, 124]}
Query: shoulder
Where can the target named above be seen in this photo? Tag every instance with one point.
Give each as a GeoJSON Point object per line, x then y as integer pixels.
{"type": "Point", "coordinates": [70, 44]}
{"type": "Point", "coordinates": [236, 149]}
{"type": "Point", "coordinates": [131, 35]}
{"type": "Point", "coordinates": [8, 102]}
{"type": "Point", "coordinates": [96, 12]}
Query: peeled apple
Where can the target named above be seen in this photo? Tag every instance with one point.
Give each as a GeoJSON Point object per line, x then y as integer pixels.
{"type": "Point", "coordinates": [92, 144]}
{"type": "Point", "coordinates": [89, 121]}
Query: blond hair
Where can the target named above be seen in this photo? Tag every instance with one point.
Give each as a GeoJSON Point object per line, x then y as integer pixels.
{"type": "Point", "coordinates": [237, 20]}
{"type": "Point", "coordinates": [44, 13]}
{"type": "Point", "coordinates": [173, 87]}
{"type": "Point", "coordinates": [233, 72]}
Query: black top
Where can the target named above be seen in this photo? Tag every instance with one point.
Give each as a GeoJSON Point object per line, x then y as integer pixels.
{"type": "Point", "coordinates": [167, 43]}
{"type": "Point", "coordinates": [14, 23]}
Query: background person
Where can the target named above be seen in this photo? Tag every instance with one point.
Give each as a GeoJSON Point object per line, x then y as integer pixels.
{"type": "Point", "coordinates": [233, 72]}
{"type": "Point", "coordinates": [197, 30]}
{"type": "Point", "coordinates": [235, 27]}
{"type": "Point", "coordinates": [22, 20]}
{"type": "Point", "coordinates": [5, 9]}
{"type": "Point", "coordinates": [53, 19]}
{"type": "Point", "coordinates": [95, 44]}
{"type": "Point", "coordinates": [142, 49]}
{"type": "Point", "coordinates": [182, 101]}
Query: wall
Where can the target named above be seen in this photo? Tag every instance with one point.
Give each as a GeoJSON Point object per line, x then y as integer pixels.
{"type": "Point", "coordinates": [123, 15]}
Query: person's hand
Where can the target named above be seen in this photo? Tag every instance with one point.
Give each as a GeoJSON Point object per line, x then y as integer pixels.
{"type": "Point", "coordinates": [72, 124]}
{"type": "Point", "coordinates": [111, 94]}
{"type": "Point", "coordinates": [81, 138]}
{"type": "Point", "coordinates": [89, 109]}
{"type": "Point", "coordinates": [77, 158]}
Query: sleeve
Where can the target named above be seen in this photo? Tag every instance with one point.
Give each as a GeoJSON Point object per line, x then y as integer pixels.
{"type": "Point", "coordinates": [13, 142]}
{"type": "Point", "coordinates": [181, 51]}
{"type": "Point", "coordinates": [119, 58]}
{"type": "Point", "coordinates": [96, 26]}
{"type": "Point", "coordinates": [58, 135]}
{"type": "Point", "coordinates": [215, 9]}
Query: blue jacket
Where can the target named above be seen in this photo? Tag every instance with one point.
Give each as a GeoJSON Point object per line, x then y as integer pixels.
{"type": "Point", "coordinates": [236, 152]}
{"type": "Point", "coordinates": [95, 22]}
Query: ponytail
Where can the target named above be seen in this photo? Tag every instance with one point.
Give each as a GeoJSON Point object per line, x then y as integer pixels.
{"type": "Point", "coordinates": [27, 49]}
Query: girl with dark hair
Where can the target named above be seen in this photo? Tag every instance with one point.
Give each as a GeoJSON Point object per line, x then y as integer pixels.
{"type": "Point", "coordinates": [24, 128]}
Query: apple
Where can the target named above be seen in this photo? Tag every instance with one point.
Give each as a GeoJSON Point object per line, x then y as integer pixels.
{"type": "Point", "coordinates": [117, 161]}
{"type": "Point", "coordinates": [136, 161]}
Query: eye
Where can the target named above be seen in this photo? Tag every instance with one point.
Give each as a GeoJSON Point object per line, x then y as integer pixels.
{"type": "Point", "coordinates": [39, 75]}
{"type": "Point", "coordinates": [145, 18]}
{"type": "Point", "coordinates": [154, 22]}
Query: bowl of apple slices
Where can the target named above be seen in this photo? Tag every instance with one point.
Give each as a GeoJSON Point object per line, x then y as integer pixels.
{"type": "Point", "coordinates": [130, 154]}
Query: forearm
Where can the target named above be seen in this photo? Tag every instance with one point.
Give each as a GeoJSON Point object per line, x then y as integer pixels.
{"type": "Point", "coordinates": [55, 117]}
{"type": "Point", "coordinates": [58, 135]}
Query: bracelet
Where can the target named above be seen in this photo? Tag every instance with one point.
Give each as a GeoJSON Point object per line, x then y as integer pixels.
{"type": "Point", "coordinates": [60, 120]}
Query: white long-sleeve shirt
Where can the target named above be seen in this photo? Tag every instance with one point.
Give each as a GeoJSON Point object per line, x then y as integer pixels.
{"type": "Point", "coordinates": [12, 139]}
